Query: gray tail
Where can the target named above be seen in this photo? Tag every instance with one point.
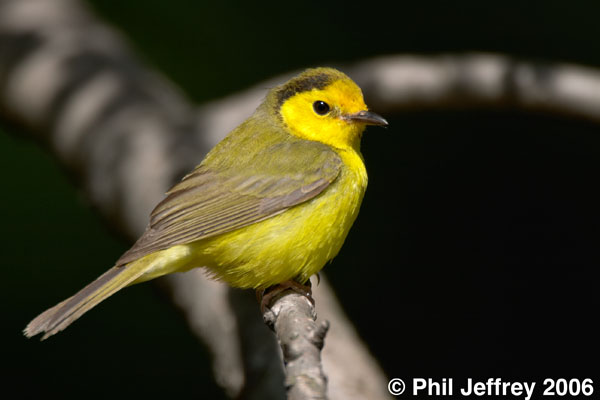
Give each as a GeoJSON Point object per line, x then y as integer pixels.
{"type": "Point", "coordinates": [63, 314]}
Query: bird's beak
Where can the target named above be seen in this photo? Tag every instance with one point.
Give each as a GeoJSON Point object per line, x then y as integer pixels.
{"type": "Point", "coordinates": [367, 117]}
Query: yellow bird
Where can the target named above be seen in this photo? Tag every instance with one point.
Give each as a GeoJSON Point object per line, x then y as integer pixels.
{"type": "Point", "coordinates": [271, 203]}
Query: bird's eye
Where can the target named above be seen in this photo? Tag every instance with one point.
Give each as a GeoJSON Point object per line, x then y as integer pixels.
{"type": "Point", "coordinates": [321, 107]}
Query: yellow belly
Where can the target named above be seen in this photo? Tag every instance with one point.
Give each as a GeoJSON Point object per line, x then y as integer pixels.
{"type": "Point", "coordinates": [294, 244]}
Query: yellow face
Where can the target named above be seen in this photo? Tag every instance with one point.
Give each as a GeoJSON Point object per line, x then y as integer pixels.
{"type": "Point", "coordinates": [324, 115]}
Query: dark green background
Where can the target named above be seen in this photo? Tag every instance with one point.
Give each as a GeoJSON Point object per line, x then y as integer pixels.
{"type": "Point", "coordinates": [476, 251]}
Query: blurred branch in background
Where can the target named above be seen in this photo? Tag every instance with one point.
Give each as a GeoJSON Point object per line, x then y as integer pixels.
{"type": "Point", "coordinates": [474, 80]}
{"type": "Point", "coordinates": [479, 80]}
{"type": "Point", "coordinates": [128, 135]}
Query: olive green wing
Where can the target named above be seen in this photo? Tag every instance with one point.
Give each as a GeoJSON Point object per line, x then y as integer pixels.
{"type": "Point", "coordinates": [207, 202]}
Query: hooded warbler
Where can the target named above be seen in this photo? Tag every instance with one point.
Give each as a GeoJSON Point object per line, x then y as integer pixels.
{"type": "Point", "coordinates": [272, 202]}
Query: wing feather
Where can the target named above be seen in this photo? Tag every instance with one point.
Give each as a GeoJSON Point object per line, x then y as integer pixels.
{"type": "Point", "coordinates": [207, 203]}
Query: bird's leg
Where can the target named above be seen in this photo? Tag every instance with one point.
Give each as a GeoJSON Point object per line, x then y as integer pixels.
{"type": "Point", "coordinates": [265, 296]}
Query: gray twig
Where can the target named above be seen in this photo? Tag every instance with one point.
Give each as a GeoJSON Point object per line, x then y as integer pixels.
{"type": "Point", "coordinates": [293, 318]}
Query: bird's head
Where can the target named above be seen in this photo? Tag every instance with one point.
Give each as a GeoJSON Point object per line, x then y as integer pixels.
{"type": "Point", "coordinates": [324, 105]}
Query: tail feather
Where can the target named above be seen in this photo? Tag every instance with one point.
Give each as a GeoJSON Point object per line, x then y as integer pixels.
{"type": "Point", "coordinates": [66, 312]}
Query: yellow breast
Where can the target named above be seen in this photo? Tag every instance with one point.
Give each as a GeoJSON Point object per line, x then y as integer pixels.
{"type": "Point", "coordinates": [294, 244]}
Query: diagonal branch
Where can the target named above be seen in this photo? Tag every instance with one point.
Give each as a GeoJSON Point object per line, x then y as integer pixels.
{"type": "Point", "coordinates": [127, 135]}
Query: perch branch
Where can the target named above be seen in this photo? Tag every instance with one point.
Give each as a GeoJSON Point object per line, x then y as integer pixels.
{"type": "Point", "coordinates": [293, 318]}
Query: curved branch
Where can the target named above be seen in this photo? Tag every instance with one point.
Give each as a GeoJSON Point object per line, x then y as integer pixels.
{"type": "Point", "coordinates": [474, 80]}
{"type": "Point", "coordinates": [480, 80]}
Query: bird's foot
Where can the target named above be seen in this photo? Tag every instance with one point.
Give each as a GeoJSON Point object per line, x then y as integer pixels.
{"type": "Point", "coordinates": [266, 296]}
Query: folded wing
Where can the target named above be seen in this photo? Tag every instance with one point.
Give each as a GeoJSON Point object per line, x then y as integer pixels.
{"type": "Point", "coordinates": [209, 202]}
